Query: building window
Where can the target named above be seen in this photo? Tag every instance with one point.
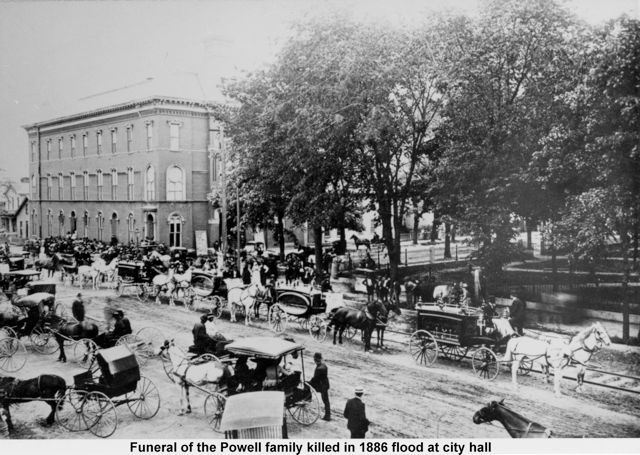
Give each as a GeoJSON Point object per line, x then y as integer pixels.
{"type": "Point", "coordinates": [49, 185]}
{"type": "Point", "coordinates": [73, 223]}
{"type": "Point", "coordinates": [34, 188]}
{"type": "Point", "coordinates": [114, 140]}
{"type": "Point", "coordinates": [150, 184]}
{"type": "Point", "coordinates": [174, 136]}
{"type": "Point", "coordinates": [85, 222]}
{"type": "Point", "coordinates": [49, 222]}
{"type": "Point", "coordinates": [100, 185]}
{"type": "Point", "coordinates": [60, 187]}
{"type": "Point", "coordinates": [100, 219]}
{"type": "Point", "coordinates": [129, 138]}
{"type": "Point", "coordinates": [175, 184]}
{"type": "Point", "coordinates": [131, 225]}
{"type": "Point", "coordinates": [73, 146]}
{"type": "Point", "coordinates": [150, 227]}
{"type": "Point", "coordinates": [175, 230]}
{"type": "Point", "coordinates": [61, 223]}
{"type": "Point", "coordinates": [114, 226]}
{"type": "Point", "coordinates": [49, 149]}
{"type": "Point", "coordinates": [99, 141]}
{"type": "Point", "coordinates": [85, 144]}
{"type": "Point", "coordinates": [72, 186]}
{"type": "Point", "coordinates": [149, 135]}
{"type": "Point", "coordinates": [114, 184]}
{"type": "Point", "coordinates": [130, 176]}
{"type": "Point", "coordinates": [33, 221]}
{"type": "Point", "coordinates": [85, 186]}
{"type": "Point", "coordinates": [33, 152]}
{"type": "Point", "coordinates": [60, 147]}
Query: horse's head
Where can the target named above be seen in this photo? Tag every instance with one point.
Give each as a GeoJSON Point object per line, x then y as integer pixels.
{"type": "Point", "coordinates": [393, 307]}
{"type": "Point", "coordinates": [601, 334]}
{"type": "Point", "coordinates": [378, 310]}
{"type": "Point", "coordinates": [487, 413]}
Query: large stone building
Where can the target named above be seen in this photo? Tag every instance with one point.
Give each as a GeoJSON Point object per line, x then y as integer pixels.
{"type": "Point", "coordinates": [135, 170]}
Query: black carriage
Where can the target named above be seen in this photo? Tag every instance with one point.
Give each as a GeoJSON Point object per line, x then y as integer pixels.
{"type": "Point", "coordinates": [209, 292]}
{"type": "Point", "coordinates": [300, 399]}
{"type": "Point", "coordinates": [304, 303]}
{"type": "Point", "coordinates": [113, 380]}
{"type": "Point", "coordinates": [452, 332]}
{"type": "Point", "coordinates": [132, 278]}
{"type": "Point", "coordinates": [16, 280]}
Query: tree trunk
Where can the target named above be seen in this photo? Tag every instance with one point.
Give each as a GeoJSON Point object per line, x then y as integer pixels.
{"type": "Point", "coordinates": [416, 226]}
{"type": "Point", "coordinates": [317, 240]}
{"type": "Point", "coordinates": [280, 228]}
{"type": "Point", "coordinates": [447, 240]}
{"type": "Point", "coordinates": [387, 234]}
{"type": "Point", "coordinates": [453, 233]}
{"type": "Point", "coordinates": [625, 287]}
{"type": "Point", "coordinates": [342, 231]}
{"type": "Point", "coordinates": [434, 228]}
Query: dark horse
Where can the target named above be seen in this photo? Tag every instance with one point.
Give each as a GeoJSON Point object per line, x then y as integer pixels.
{"type": "Point", "coordinates": [359, 242]}
{"type": "Point", "coordinates": [516, 425]}
{"type": "Point", "coordinates": [390, 306]}
{"type": "Point", "coordinates": [366, 321]}
{"type": "Point", "coordinates": [75, 331]}
{"type": "Point", "coordinates": [46, 387]}
{"type": "Point", "coordinates": [51, 265]}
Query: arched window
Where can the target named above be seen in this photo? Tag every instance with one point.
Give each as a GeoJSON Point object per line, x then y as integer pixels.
{"type": "Point", "coordinates": [150, 184]}
{"type": "Point", "coordinates": [100, 184]}
{"type": "Point", "coordinates": [100, 219]}
{"type": "Point", "coordinates": [114, 226]}
{"type": "Point", "coordinates": [49, 222]}
{"type": "Point", "coordinates": [61, 223]}
{"type": "Point", "coordinates": [85, 221]}
{"type": "Point", "coordinates": [32, 220]}
{"type": "Point", "coordinates": [73, 222]}
{"type": "Point", "coordinates": [150, 227]}
{"type": "Point", "coordinates": [175, 184]}
{"type": "Point", "coordinates": [34, 187]}
{"type": "Point", "coordinates": [131, 225]}
{"type": "Point", "coordinates": [175, 230]}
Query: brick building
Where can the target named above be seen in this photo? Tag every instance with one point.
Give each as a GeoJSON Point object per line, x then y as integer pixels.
{"type": "Point", "coordinates": [132, 170]}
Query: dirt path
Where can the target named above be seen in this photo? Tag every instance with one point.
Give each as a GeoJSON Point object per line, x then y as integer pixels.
{"type": "Point", "coordinates": [403, 400]}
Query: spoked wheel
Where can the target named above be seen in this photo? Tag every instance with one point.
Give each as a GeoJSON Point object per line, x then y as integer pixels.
{"type": "Point", "coordinates": [304, 324]}
{"type": "Point", "coordinates": [136, 346]}
{"type": "Point", "coordinates": [151, 339]}
{"type": "Point", "coordinates": [306, 410]}
{"type": "Point", "coordinates": [13, 355]}
{"type": "Point", "coordinates": [213, 409]}
{"type": "Point", "coordinates": [7, 332]}
{"type": "Point", "coordinates": [167, 366]}
{"type": "Point", "coordinates": [43, 340]}
{"type": "Point", "coordinates": [277, 319]}
{"type": "Point", "coordinates": [485, 364]}
{"type": "Point", "coordinates": [100, 414]}
{"type": "Point", "coordinates": [69, 412]}
{"type": "Point", "coordinates": [423, 347]}
{"type": "Point", "coordinates": [350, 332]}
{"type": "Point", "coordinates": [526, 365]}
{"type": "Point", "coordinates": [453, 351]}
{"type": "Point", "coordinates": [145, 400]}
{"type": "Point", "coordinates": [83, 352]}
{"type": "Point", "coordinates": [317, 328]}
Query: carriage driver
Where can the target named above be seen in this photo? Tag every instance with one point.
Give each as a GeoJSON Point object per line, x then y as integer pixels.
{"type": "Point", "coordinates": [121, 327]}
{"type": "Point", "coordinates": [202, 341]}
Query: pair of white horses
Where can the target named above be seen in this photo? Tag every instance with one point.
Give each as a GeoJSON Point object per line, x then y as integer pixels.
{"type": "Point", "coordinates": [171, 283]}
{"type": "Point", "coordinates": [97, 270]}
{"type": "Point", "coordinates": [244, 297]}
{"type": "Point", "coordinates": [557, 354]}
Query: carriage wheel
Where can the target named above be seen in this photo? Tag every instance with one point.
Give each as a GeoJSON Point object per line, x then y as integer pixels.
{"type": "Point", "coordinates": [99, 414]}
{"type": "Point", "coordinates": [213, 409]}
{"type": "Point", "coordinates": [83, 352]}
{"type": "Point", "coordinates": [167, 366]}
{"type": "Point", "coordinates": [350, 332]}
{"type": "Point", "coordinates": [136, 346]}
{"type": "Point", "coordinates": [453, 351]}
{"type": "Point", "coordinates": [151, 339]}
{"type": "Point", "coordinates": [306, 410]}
{"type": "Point", "coordinates": [43, 340]}
{"type": "Point", "coordinates": [7, 332]}
{"type": "Point", "coordinates": [423, 347]}
{"type": "Point", "coordinates": [485, 364]}
{"type": "Point", "coordinates": [13, 355]}
{"type": "Point", "coordinates": [526, 366]}
{"type": "Point", "coordinates": [69, 410]}
{"type": "Point", "coordinates": [144, 402]}
{"type": "Point", "coordinates": [317, 328]}
{"type": "Point", "coordinates": [277, 319]}
{"type": "Point", "coordinates": [304, 324]}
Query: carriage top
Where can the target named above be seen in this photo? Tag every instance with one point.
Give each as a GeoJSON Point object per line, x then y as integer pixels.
{"type": "Point", "coordinates": [36, 299]}
{"type": "Point", "coordinates": [264, 347]}
{"type": "Point", "coordinates": [119, 369]}
{"type": "Point", "coordinates": [265, 418]}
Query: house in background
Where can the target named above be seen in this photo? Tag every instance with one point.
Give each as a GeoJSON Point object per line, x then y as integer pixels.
{"type": "Point", "coordinates": [13, 208]}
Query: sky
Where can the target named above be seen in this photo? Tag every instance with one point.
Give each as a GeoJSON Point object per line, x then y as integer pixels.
{"type": "Point", "coordinates": [54, 53]}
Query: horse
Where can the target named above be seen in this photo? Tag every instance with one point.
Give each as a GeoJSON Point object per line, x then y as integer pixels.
{"type": "Point", "coordinates": [104, 270]}
{"type": "Point", "coordinates": [164, 282]}
{"type": "Point", "coordinates": [46, 387]}
{"type": "Point", "coordinates": [557, 355]}
{"type": "Point", "coordinates": [246, 297]}
{"type": "Point", "coordinates": [366, 321]}
{"type": "Point", "coordinates": [50, 264]}
{"type": "Point", "coordinates": [189, 374]}
{"type": "Point", "coordinates": [391, 306]}
{"type": "Point", "coordinates": [442, 293]}
{"type": "Point", "coordinates": [64, 330]}
{"type": "Point", "coordinates": [516, 425]}
{"type": "Point", "coordinates": [359, 242]}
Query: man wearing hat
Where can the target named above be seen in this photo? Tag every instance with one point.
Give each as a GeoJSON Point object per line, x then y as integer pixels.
{"type": "Point", "coordinates": [516, 312]}
{"type": "Point", "coordinates": [202, 341]}
{"type": "Point", "coordinates": [320, 382]}
{"type": "Point", "coordinates": [121, 327]}
{"type": "Point", "coordinates": [77, 308]}
{"type": "Point", "coordinates": [354, 412]}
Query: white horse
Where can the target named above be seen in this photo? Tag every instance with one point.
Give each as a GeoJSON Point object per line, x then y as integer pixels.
{"type": "Point", "coordinates": [86, 273]}
{"type": "Point", "coordinates": [442, 292]}
{"type": "Point", "coordinates": [164, 282]}
{"type": "Point", "coordinates": [102, 269]}
{"type": "Point", "coordinates": [557, 354]}
{"type": "Point", "coordinates": [189, 374]}
{"type": "Point", "coordinates": [243, 296]}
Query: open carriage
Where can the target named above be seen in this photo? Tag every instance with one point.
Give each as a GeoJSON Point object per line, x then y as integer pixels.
{"type": "Point", "coordinates": [132, 279]}
{"type": "Point", "coordinates": [113, 380]}
{"type": "Point", "coordinates": [452, 332]}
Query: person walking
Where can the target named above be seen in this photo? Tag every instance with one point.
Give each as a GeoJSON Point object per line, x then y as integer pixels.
{"type": "Point", "coordinates": [77, 308]}
{"type": "Point", "coordinates": [356, 416]}
{"type": "Point", "coordinates": [320, 382]}
{"type": "Point", "coordinates": [410, 287]}
{"type": "Point", "coordinates": [517, 313]}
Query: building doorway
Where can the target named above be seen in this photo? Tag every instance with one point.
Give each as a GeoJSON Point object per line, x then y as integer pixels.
{"type": "Point", "coordinates": [150, 227]}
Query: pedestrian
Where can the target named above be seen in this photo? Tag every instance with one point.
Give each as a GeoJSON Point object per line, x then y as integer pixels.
{"type": "Point", "coordinates": [77, 308]}
{"type": "Point", "coordinates": [517, 313]}
{"type": "Point", "coordinates": [370, 284]}
{"type": "Point", "coordinates": [354, 412]}
{"type": "Point", "coordinates": [410, 287]}
{"type": "Point", "coordinates": [320, 382]}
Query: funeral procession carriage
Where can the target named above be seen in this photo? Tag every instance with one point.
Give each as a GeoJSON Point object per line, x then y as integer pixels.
{"type": "Point", "coordinates": [113, 380]}
{"type": "Point", "coordinates": [132, 279]}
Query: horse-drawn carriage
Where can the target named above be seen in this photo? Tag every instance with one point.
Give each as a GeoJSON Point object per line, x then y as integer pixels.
{"type": "Point", "coordinates": [131, 275]}
{"type": "Point", "coordinates": [265, 421]}
{"type": "Point", "coordinates": [210, 291]}
{"type": "Point", "coordinates": [113, 380]}
{"type": "Point", "coordinates": [13, 281]}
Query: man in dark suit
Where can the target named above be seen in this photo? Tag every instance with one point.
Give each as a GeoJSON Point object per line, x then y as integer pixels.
{"type": "Point", "coordinates": [356, 416]}
{"type": "Point", "coordinates": [320, 382]}
{"type": "Point", "coordinates": [516, 313]}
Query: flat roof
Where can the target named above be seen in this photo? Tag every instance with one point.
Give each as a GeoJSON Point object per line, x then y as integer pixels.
{"type": "Point", "coordinates": [253, 410]}
{"type": "Point", "coordinates": [265, 347]}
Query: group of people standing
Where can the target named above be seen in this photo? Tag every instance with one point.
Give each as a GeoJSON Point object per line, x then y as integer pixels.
{"type": "Point", "coordinates": [382, 288]}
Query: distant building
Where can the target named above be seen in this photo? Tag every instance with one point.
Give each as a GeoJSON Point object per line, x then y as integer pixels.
{"type": "Point", "coordinates": [13, 206]}
{"type": "Point", "coordinates": [134, 170]}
